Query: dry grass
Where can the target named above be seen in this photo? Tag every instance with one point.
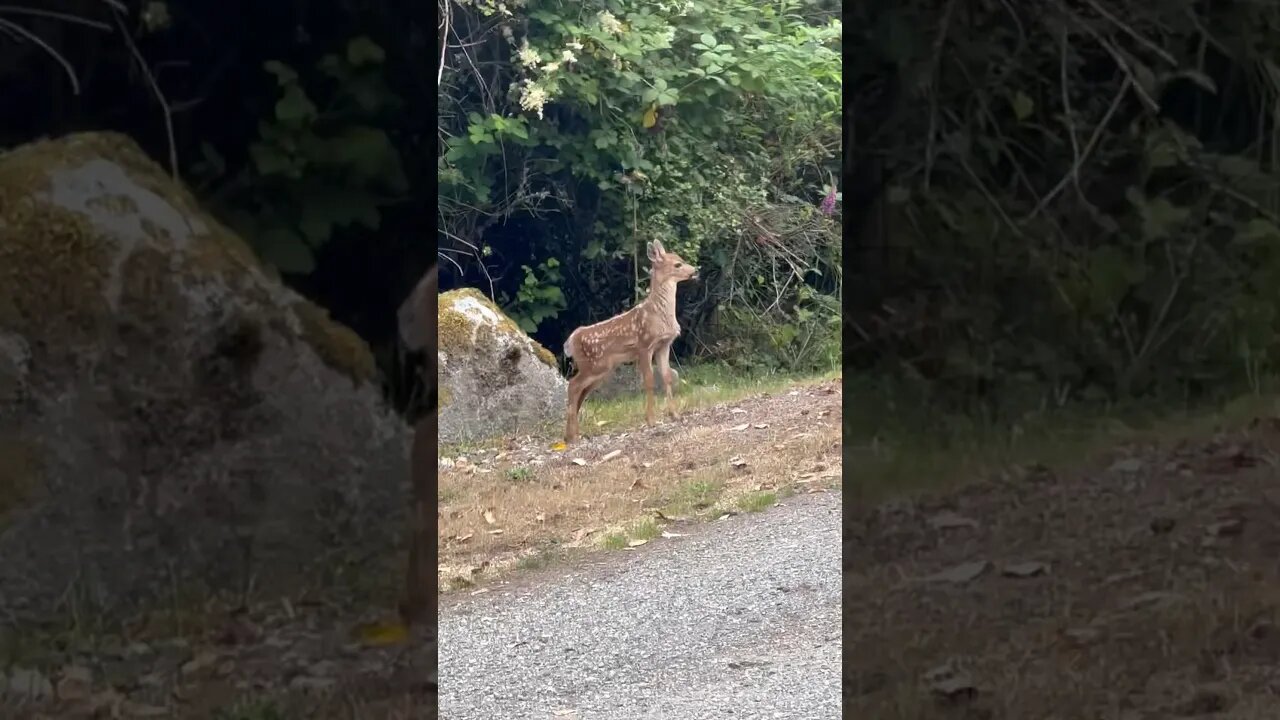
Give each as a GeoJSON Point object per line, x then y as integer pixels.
{"type": "Point", "coordinates": [527, 506]}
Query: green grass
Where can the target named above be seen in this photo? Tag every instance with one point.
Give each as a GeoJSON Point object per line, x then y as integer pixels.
{"type": "Point", "coordinates": [537, 560]}
{"type": "Point", "coordinates": [642, 529]}
{"type": "Point", "coordinates": [701, 386]}
{"type": "Point", "coordinates": [756, 501]}
{"type": "Point", "coordinates": [519, 473]}
{"type": "Point", "coordinates": [894, 446]}
{"type": "Point", "coordinates": [696, 494]}
{"type": "Point", "coordinates": [614, 541]}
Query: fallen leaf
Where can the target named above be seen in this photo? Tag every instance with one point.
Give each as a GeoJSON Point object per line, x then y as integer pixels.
{"type": "Point", "coordinates": [601, 423]}
{"type": "Point", "coordinates": [666, 534]}
{"type": "Point", "coordinates": [647, 464]}
{"type": "Point", "coordinates": [737, 411]}
{"type": "Point", "coordinates": [947, 520]}
{"type": "Point", "coordinates": [1025, 569]}
{"type": "Point", "coordinates": [75, 684]}
{"type": "Point", "coordinates": [737, 461]}
{"type": "Point", "coordinates": [463, 538]}
{"type": "Point", "coordinates": [540, 517]}
{"type": "Point", "coordinates": [637, 485]}
{"type": "Point", "coordinates": [383, 634]}
{"type": "Point", "coordinates": [201, 661]}
{"type": "Point", "coordinates": [579, 461]}
{"type": "Point", "coordinates": [960, 574]}
{"type": "Point", "coordinates": [738, 428]}
{"type": "Point", "coordinates": [951, 683]}
{"type": "Point", "coordinates": [489, 517]}
{"type": "Point", "coordinates": [636, 543]}
{"type": "Point", "coordinates": [1226, 528]}
{"type": "Point", "coordinates": [610, 455]}
{"type": "Point", "coordinates": [558, 446]}
{"type": "Point", "coordinates": [760, 426]}
{"type": "Point", "coordinates": [1151, 599]}
{"type": "Point", "coordinates": [495, 531]}
{"type": "Point", "coordinates": [1128, 465]}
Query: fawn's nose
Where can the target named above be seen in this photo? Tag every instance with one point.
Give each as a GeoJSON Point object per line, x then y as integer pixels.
{"type": "Point", "coordinates": [695, 273]}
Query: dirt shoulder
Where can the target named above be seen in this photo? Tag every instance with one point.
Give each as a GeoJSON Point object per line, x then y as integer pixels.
{"type": "Point", "coordinates": [1144, 585]}
{"type": "Point", "coordinates": [523, 504]}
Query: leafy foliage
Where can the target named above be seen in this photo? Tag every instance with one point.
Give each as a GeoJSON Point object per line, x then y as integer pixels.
{"type": "Point", "coordinates": [689, 121]}
{"type": "Point", "coordinates": [1081, 200]}
{"type": "Point", "coordinates": [313, 168]}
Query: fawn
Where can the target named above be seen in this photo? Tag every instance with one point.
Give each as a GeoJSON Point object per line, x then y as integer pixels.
{"type": "Point", "coordinates": [417, 325]}
{"type": "Point", "coordinates": [638, 335]}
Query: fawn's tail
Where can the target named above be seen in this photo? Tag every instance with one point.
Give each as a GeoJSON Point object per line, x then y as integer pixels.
{"type": "Point", "coordinates": [571, 345]}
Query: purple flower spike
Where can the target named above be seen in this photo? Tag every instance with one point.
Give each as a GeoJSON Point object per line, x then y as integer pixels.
{"type": "Point", "coordinates": [828, 205]}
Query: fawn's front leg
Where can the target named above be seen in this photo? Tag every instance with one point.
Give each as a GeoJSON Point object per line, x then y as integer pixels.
{"type": "Point", "coordinates": [669, 379]}
{"type": "Point", "coordinates": [645, 361]}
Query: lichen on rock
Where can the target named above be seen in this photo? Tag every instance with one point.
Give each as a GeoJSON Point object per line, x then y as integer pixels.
{"type": "Point", "coordinates": [459, 310]}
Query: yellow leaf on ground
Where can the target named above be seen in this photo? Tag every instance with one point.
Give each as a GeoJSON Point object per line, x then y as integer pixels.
{"type": "Point", "coordinates": [382, 634]}
{"type": "Point", "coordinates": [558, 446]}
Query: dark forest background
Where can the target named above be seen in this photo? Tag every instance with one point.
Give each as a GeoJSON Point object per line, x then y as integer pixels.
{"type": "Point", "coordinates": [306, 126]}
{"type": "Point", "coordinates": [1072, 200]}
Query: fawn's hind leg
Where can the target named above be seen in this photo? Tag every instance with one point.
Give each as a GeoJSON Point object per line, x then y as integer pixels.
{"type": "Point", "coordinates": [580, 386]}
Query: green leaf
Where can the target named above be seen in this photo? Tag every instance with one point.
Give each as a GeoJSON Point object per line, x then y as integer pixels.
{"type": "Point", "coordinates": [1259, 230]}
{"type": "Point", "coordinates": [1022, 105]}
{"type": "Point", "coordinates": [285, 250]}
{"type": "Point", "coordinates": [269, 159]}
{"type": "Point", "coordinates": [316, 224]}
{"type": "Point", "coordinates": [363, 51]}
{"type": "Point", "coordinates": [214, 159]}
{"type": "Point", "coordinates": [369, 155]}
{"type": "Point", "coordinates": [707, 39]}
{"type": "Point", "coordinates": [295, 107]}
{"type": "Point", "coordinates": [1161, 217]}
{"type": "Point", "coordinates": [285, 75]}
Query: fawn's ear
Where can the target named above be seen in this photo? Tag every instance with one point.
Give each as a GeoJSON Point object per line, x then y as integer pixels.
{"type": "Point", "coordinates": [656, 250]}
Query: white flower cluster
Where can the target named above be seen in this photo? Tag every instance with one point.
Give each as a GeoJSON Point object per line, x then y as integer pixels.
{"type": "Point", "coordinates": [609, 23]}
{"type": "Point", "coordinates": [533, 97]}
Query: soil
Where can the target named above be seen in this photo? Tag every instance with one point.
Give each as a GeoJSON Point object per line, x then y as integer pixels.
{"type": "Point", "coordinates": [309, 659]}
{"type": "Point", "coordinates": [1146, 585]}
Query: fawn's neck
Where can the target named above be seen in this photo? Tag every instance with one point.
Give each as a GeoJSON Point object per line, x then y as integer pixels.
{"type": "Point", "coordinates": [662, 298]}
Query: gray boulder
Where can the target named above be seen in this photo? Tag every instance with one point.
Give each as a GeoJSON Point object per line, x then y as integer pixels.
{"type": "Point", "coordinates": [172, 418]}
{"type": "Point", "coordinates": [494, 379]}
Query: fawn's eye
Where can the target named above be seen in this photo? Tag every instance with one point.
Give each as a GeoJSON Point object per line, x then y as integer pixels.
{"type": "Point", "coordinates": [679, 264]}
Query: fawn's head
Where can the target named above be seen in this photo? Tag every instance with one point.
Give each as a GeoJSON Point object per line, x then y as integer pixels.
{"type": "Point", "coordinates": [668, 265]}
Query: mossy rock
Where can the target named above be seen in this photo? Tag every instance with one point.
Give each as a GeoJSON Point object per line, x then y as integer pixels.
{"type": "Point", "coordinates": [456, 331]}
{"type": "Point", "coordinates": [337, 345]}
{"type": "Point", "coordinates": [56, 267]}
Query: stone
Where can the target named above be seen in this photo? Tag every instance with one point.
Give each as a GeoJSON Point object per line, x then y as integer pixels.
{"type": "Point", "coordinates": [166, 397]}
{"type": "Point", "coordinates": [494, 379]}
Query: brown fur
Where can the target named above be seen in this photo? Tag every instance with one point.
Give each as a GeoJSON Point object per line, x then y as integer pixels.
{"type": "Point", "coordinates": [418, 324]}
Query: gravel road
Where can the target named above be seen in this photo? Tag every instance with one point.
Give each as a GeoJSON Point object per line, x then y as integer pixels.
{"type": "Point", "coordinates": [739, 619]}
